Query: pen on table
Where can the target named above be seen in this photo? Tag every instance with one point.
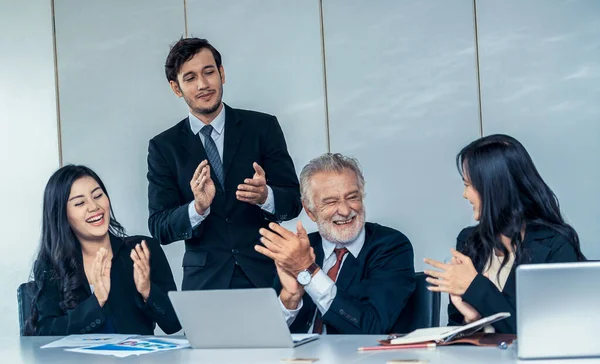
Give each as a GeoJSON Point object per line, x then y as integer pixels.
{"type": "Point", "coordinates": [392, 347]}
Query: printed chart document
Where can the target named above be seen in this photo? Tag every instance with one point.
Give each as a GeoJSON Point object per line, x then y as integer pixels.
{"type": "Point", "coordinates": [134, 346]}
{"type": "Point", "coordinates": [87, 340]}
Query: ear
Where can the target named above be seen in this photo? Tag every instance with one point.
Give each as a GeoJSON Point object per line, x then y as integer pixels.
{"type": "Point", "coordinates": [175, 88]}
{"type": "Point", "coordinates": [222, 73]}
{"type": "Point", "coordinates": [312, 216]}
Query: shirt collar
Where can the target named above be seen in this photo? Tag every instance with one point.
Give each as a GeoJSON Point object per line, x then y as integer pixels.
{"type": "Point", "coordinates": [354, 247]}
{"type": "Point", "coordinates": [218, 123]}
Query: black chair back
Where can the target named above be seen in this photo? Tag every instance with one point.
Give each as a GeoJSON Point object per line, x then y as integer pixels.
{"type": "Point", "coordinates": [422, 309]}
{"type": "Point", "coordinates": [25, 294]}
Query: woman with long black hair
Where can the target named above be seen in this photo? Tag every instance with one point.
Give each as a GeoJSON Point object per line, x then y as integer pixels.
{"type": "Point", "coordinates": [91, 277]}
{"type": "Point", "coordinates": [519, 222]}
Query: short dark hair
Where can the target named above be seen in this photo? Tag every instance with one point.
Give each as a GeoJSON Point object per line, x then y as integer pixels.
{"type": "Point", "coordinates": [183, 51]}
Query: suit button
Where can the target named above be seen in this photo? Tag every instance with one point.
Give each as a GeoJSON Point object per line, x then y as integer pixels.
{"type": "Point", "coordinates": [235, 251]}
{"type": "Point", "coordinates": [228, 220]}
{"type": "Point", "coordinates": [98, 321]}
{"type": "Point", "coordinates": [88, 329]}
{"type": "Point", "coordinates": [93, 324]}
{"type": "Point", "coordinates": [82, 331]}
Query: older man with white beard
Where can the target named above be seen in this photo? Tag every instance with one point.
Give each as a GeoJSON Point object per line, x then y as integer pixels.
{"type": "Point", "coordinates": [352, 276]}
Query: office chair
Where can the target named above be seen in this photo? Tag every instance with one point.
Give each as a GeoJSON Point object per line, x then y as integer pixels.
{"type": "Point", "coordinates": [422, 309]}
{"type": "Point", "coordinates": [25, 294]}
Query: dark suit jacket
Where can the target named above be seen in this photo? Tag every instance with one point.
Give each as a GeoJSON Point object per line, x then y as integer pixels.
{"type": "Point", "coordinates": [372, 288]}
{"type": "Point", "coordinates": [542, 245]}
{"type": "Point", "coordinates": [230, 231]}
{"type": "Point", "coordinates": [129, 313]}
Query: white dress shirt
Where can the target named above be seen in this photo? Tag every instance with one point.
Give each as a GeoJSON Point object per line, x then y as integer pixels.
{"type": "Point", "coordinates": [321, 288]}
{"type": "Point", "coordinates": [218, 135]}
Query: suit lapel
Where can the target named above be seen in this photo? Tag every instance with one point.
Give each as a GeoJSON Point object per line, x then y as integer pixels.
{"type": "Point", "coordinates": [192, 143]}
{"type": "Point", "coordinates": [351, 264]}
{"type": "Point", "coordinates": [347, 272]}
{"type": "Point", "coordinates": [233, 134]}
{"type": "Point", "coordinates": [317, 244]}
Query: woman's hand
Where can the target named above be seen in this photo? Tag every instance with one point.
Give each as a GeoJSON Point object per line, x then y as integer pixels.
{"type": "Point", "coordinates": [469, 313]}
{"type": "Point", "coordinates": [453, 278]}
{"type": "Point", "coordinates": [101, 276]}
{"type": "Point", "coordinates": [140, 255]}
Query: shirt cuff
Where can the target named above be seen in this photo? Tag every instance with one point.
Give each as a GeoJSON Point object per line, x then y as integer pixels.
{"type": "Point", "coordinates": [195, 217]}
{"type": "Point", "coordinates": [290, 315]}
{"type": "Point", "coordinates": [322, 290]}
{"type": "Point", "coordinates": [269, 205]}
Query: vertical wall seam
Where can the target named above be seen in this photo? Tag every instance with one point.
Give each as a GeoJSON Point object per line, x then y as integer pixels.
{"type": "Point", "coordinates": [478, 72]}
{"type": "Point", "coordinates": [324, 62]}
{"type": "Point", "coordinates": [185, 18]}
{"type": "Point", "coordinates": [56, 86]}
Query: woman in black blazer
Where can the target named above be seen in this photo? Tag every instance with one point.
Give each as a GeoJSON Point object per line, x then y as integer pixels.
{"type": "Point", "coordinates": [519, 222]}
{"type": "Point", "coordinates": [91, 277]}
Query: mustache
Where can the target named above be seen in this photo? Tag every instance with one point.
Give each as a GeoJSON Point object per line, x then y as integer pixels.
{"type": "Point", "coordinates": [338, 217]}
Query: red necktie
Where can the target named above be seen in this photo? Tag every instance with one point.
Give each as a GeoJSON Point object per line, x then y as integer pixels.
{"type": "Point", "coordinates": [332, 273]}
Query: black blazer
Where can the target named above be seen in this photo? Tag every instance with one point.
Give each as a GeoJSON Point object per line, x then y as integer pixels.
{"type": "Point", "coordinates": [230, 231]}
{"type": "Point", "coordinates": [542, 245]}
{"type": "Point", "coordinates": [129, 313]}
{"type": "Point", "coordinates": [372, 289]}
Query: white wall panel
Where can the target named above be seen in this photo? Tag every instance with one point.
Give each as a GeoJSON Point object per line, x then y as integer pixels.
{"type": "Point", "coordinates": [402, 97]}
{"type": "Point", "coordinates": [540, 71]}
{"type": "Point", "coordinates": [28, 142]}
{"type": "Point", "coordinates": [272, 57]}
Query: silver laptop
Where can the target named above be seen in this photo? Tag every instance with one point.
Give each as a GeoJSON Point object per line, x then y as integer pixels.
{"type": "Point", "coordinates": [558, 310]}
{"type": "Point", "coordinates": [242, 318]}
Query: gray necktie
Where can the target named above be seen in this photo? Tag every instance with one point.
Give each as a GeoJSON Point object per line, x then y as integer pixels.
{"type": "Point", "coordinates": [212, 152]}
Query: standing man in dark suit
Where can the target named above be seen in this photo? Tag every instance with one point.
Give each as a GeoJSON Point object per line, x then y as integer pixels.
{"type": "Point", "coordinates": [217, 176]}
{"type": "Point", "coordinates": [351, 277]}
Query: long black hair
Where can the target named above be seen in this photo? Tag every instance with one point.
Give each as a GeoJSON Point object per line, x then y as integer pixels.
{"type": "Point", "coordinates": [512, 194]}
{"type": "Point", "coordinates": [59, 258]}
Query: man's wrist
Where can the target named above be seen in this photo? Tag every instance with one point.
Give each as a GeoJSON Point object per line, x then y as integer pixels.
{"type": "Point", "coordinates": [291, 300]}
{"type": "Point", "coordinates": [311, 267]}
{"type": "Point", "coordinates": [199, 209]}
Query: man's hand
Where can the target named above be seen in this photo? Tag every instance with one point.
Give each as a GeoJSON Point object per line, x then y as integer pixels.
{"type": "Point", "coordinates": [202, 187]}
{"type": "Point", "coordinates": [290, 251]}
{"type": "Point", "coordinates": [291, 290]}
{"type": "Point", "coordinates": [254, 190]}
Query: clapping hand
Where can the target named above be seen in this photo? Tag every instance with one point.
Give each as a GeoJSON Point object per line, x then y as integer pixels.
{"type": "Point", "coordinates": [254, 190]}
{"type": "Point", "coordinates": [202, 187]}
{"type": "Point", "coordinates": [101, 276]}
{"type": "Point", "coordinates": [140, 255]}
{"type": "Point", "coordinates": [452, 278]}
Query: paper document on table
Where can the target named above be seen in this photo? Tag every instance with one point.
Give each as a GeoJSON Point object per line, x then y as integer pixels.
{"type": "Point", "coordinates": [87, 340]}
{"type": "Point", "coordinates": [136, 346]}
{"type": "Point", "coordinates": [445, 334]}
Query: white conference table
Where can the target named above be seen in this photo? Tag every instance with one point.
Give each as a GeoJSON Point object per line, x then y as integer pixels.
{"type": "Point", "coordinates": [328, 349]}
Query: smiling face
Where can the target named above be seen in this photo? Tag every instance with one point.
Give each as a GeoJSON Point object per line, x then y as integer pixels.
{"type": "Point", "coordinates": [88, 210]}
{"type": "Point", "coordinates": [337, 206]}
{"type": "Point", "coordinates": [200, 83]}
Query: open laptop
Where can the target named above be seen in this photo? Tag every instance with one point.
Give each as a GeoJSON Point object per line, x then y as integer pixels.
{"type": "Point", "coordinates": [558, 310]}
{"type": "Point", "coordinates": [241, 318]}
